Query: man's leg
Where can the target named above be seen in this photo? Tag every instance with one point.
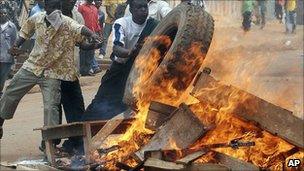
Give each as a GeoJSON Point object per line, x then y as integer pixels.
{"type": "Point", "coordinates": [5, 68]}
{"type": "Point", "coordinates": [73, 105]}
{"type": "Point", "coordinates": [72, 100]}
{"type": "Point", "coordinates": [110, 10]}
{"type": "Point", "coordinates": [50, 89]}
{"type": "Point", "coordinates": [21, 83]}
{"type": "Point", "coordinates": [106, 34]}
{"type": "Point", "coordinates": [86, 61]}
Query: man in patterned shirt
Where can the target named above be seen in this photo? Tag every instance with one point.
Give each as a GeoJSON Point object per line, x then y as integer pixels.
{"type": "Point", "coordinates": [51, 60]}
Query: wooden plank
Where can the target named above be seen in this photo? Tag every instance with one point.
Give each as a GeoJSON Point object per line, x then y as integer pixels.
{"type": "Point", "coordinates": [176, 131]}
{"type": "Point", "coordinates": [235, 164]}
{"type": "Point", "coordinates": [191, 157]}
{"type": "Point", "coordinates": [62, 132]}
{"type": "Point", "coordinates": [269, 117]}
{"type": "Point", "coordinates": [76, 129]}
{"type": "Point", "coordinates": [87, 141]}
{"type": "Point", "coordinates": [153, 164]}
{"type": "Point", "coordinates": [106, 130]}
{"type": "Point", "coordinates": [206, 167]}
{"type": "Point", "coordinates": [50, 152]}
{"type": "Point", "coordinates": [158, 114]}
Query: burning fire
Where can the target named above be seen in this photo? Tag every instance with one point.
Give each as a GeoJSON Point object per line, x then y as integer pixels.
{"type": "Point", "coordinates": [169, 86]}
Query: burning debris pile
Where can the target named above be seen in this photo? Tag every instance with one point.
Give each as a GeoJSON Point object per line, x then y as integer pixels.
{"type": "Point", "coordinates": [187, 120]}
{"type": "Point", "coordinates": [210, 126]}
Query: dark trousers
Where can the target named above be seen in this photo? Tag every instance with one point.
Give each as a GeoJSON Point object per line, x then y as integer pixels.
{"type": "Point", "coordinates": [86, 61]}
{"type": "Point", "coordinates": [246, 20]}
{"type": "Point", "coordinates": [108, 101]}
{"type": "Point", "coordinates": [73, 106]}
{"type": "Point", "coordinates": [279, 11]}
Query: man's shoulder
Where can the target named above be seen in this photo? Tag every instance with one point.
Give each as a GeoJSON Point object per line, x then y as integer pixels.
{"type": "Point", "coordinates": [37, 16]}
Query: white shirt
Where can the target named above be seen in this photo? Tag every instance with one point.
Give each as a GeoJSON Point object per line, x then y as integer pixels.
{"type": "Point", "coordinates": [126, 33]}
{"type": "Point", "coordinates": [3, 26]}
{"type": "Point", "coordinates": [158, 9]}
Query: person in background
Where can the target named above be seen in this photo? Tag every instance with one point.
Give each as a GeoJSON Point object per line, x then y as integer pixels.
{"type": "Point", "coordinates": [8, 35]}
{"type": "Point", "coordinates": [101, 17]}
{"type": "Point", "coordinates": [291, 16]}
{"type": "Point", "coordinates": [279, 9]}
{"type": "Point", "coordinates": [201, 3]}
{"type": "Point", "coordinates": [90, 15]}
{"type": "Point", "coordinates": [12, 9]}
{"type": "Point", "coordinates": [39, 7]}
{"type": "Point", "coordinates": [247, 8]}
{"type": "Point", "coordinates": [262, 13]}
{"type": "Point", "coordinates": [112, 15]}
{"type": "Point", "coordinates": [158, 9]}
{"type": "Point", "coordinates": [128, 38]}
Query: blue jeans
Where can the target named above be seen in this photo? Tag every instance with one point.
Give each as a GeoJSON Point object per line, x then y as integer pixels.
{"type": "Point", "coordinates": [5, 68]}
{"type": "Point", "coordinates": [86, 60]}
{"type": "Point", "coordinates": [106, 34]}
{"type": "Point", "coordinates": [291, 19]}
{"type": "Point", "coordinates": [95, 65]}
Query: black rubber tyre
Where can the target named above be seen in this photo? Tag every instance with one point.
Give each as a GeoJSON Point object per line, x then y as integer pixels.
{"type": "Point", "coordinates": [186, 25]}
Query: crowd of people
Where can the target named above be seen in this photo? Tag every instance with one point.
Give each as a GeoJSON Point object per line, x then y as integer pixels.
{"type": "Point", "coordinates": [257, 9]}
{"type": "Point", "coordinates": [66, 34]}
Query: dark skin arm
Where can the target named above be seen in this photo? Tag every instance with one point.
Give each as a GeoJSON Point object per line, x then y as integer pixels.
{"type": "Point", "coordinates": [122, 52]}
{"type": "Point", "coordinates": [88, 33]}
{"type": "Point", "coordinates": [89, 46]}
{"type": "Point", "coordinates": [15, 51]}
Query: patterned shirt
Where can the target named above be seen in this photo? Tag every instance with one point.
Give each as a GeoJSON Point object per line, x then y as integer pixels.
{"type": "Point", "coordinates": [53, 52]}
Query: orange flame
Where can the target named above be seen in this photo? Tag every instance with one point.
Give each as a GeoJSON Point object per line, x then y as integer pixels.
{"type": "Point", "coordinates": [169, 86]}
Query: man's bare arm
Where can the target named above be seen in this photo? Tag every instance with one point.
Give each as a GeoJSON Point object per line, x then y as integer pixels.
{"type": "Point", "coordinates": [121, 52]}
{"type": "Point", "coordinates": [88, 33]}
{"type": "Point", "coordinates": [89, 46]}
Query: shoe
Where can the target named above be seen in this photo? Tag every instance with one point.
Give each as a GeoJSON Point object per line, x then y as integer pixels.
{"type": "Point", "coordinates": [97, 70]}
{"type": "Point", "coordinates": [91, 73]}
{"type": "Point", "coordinates": [101, 56]}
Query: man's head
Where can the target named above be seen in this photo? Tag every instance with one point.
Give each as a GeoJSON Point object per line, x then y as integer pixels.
{"type": "Point", "coordinates": [52, 5]}
{"type": "Point", "coordinates": [3, 15]}
{"type": "Point", "coordinates": [98, 3]}
{"type": "Point", "coordinates": [40, 3]}
{"type": "Point", "coordinates": [68, 5]}
{"type": "Point", "coordinates": [139, 10]}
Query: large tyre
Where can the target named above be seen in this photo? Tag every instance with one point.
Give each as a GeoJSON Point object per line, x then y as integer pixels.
{"type": "Point", "coordinates": [190, 29]}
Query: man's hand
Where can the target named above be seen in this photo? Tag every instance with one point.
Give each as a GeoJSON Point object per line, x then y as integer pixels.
{"type": "Point", "coordinates": [135, 51]}
{"type": "Point", "coordinates": [15, 51]}
{"type": "Point", "coordinates": [96, 38]}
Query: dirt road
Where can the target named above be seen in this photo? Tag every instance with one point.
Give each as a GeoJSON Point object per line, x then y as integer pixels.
{"type": "Point", "coordinates": [267, 63]}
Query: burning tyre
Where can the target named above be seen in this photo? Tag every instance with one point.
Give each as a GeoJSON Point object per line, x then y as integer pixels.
{"type": "Point", "coordinates": [171, 56]}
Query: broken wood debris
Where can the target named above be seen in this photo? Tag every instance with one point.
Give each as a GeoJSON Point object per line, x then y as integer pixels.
{"type": "Point", "coordinates": [176, 130]}
{"type": "Point", "coordinates": [269, 117]}
{"type": "Point", "coordinates": [234, 163]}
{"type": "Point", "coordinates": [103, 151]}
{"type": "Point", "coordinates": [153, 164]}
{"type": "Point", "coordinates": [158, 114]}
{"type": "Point", "coordinates": [191, 157]}
{"type": "Point", "coordinates": [77, 129]}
